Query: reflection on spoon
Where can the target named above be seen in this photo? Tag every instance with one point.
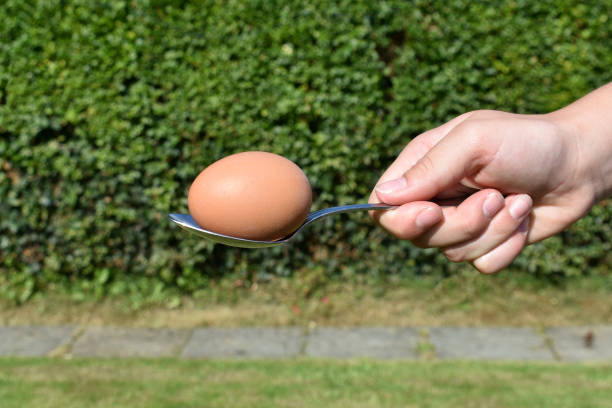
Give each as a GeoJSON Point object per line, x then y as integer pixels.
{"type": "Point", "coordinates": [187, 222]}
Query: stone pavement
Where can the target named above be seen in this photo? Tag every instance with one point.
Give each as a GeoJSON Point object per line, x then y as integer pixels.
{"type": "Point", "coordinates": [407, 343]}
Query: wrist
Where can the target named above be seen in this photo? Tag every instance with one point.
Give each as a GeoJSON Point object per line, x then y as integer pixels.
{"type": "Point", "coordinates": [586, 126]}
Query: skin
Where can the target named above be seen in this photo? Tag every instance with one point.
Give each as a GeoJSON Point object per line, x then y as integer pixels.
{"type": "Point", "coordinates": [487, 183]}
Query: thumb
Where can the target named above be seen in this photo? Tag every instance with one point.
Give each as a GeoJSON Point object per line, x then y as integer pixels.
{"type": "Point", "coordinates": [461, 153]}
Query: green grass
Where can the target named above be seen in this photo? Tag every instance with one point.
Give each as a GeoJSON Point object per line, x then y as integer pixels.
{"type": "Point", "coordinates": [299, 383]}
{"type": "Point", "coordinates": [467, 299]}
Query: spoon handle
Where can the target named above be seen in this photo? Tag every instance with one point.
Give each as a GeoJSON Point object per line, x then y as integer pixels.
{"type": "Point", "coordinates": [345, 208]}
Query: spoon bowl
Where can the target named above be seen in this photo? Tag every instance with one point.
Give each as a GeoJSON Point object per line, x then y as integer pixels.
{"type": "Point", "coordinates": [186, 222]}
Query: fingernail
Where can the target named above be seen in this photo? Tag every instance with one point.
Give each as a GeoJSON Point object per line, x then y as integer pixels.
{"type": "Point", "coordinates": [524, 227]}
{"type": "Point", "coordinates": [427, 218]}
{"type": "Point", "coordinates": [520, 206]}
{"type": "Point", "coordinates": [492, 205]}
{"type": "Point", "coordinates": [392, 186]}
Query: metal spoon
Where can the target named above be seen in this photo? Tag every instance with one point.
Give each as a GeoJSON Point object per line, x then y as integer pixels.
{"type": "Point", "coordinates": [187, 222]}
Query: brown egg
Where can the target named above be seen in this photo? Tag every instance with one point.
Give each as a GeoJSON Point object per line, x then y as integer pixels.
{"type": "Point", "coordinates": [252, 195]}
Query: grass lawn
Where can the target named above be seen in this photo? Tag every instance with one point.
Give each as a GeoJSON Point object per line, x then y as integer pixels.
{"type": "Point", "coordinates": [467, 299]}
{"type": "Point", "coordinates": [44, 382]}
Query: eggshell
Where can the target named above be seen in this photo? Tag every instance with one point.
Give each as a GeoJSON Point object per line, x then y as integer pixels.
{"type": "Point", "coordinates": [252, 195]}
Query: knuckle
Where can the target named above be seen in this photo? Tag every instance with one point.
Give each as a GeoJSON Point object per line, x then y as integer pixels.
{"type": "Point", "coordinates": [475, 133]}
{"type": "Point", "coordinates": [397, 231]}
{"type": "Point", "coordinates": [422, 170]}
{"type": "Point", "coordinates": [425, 165]}
{"type": "Point", "coordinates": [470, 227]}
{"type": "Point", "coordinates": [483, 113]}
{"type": "Point", "coordinates": [475, 137]}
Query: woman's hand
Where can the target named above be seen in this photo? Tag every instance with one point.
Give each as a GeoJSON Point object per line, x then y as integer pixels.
{"type": "Point", "coordinates": [487, 183]}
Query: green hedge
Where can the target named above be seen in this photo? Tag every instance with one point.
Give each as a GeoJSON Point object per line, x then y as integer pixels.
{"type": "Point", "coordinates": [109, 109]}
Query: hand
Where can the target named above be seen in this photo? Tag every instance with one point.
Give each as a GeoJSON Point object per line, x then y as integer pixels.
{"type": "Point", "coordinates": [502, 181]}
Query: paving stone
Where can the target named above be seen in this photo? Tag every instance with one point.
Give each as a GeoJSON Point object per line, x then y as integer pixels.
{"type": "Point", "coordinates": [375, 342]}
{"type": "Point", "coordinates": [572, 343]}
{"type": "Point", "coordinates": [582, 343]}
{"type": "Point", "coordinates": [485, 343]}
{"type": "Point", "coordinates": [122, 342]}
{"type": "Point", "coordinates": [244, 342]}
{"type": "Point", "coordinates": [33, 340]}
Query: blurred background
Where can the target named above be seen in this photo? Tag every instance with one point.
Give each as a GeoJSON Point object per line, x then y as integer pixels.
{"type": "Point", "coordinates": [109, 110]}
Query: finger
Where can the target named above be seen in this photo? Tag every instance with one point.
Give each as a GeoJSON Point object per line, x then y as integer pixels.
{"type": "Point", "coordinates": [504, 254]}
{"type": "Point", "coordinates": [503, 225]}
{"type": "Point", "coordinates": [409, 220]}
{"type": "Point", "coordinates": [467, 148]}
{"type": "Point", "coordinates": [411, 154]}
{"type": "Point", "coordinates": [419, 146]}
{"type": "Point", "coordinates": [415, 150]}
{"type": "Point", "coordinates": [464, 222]}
